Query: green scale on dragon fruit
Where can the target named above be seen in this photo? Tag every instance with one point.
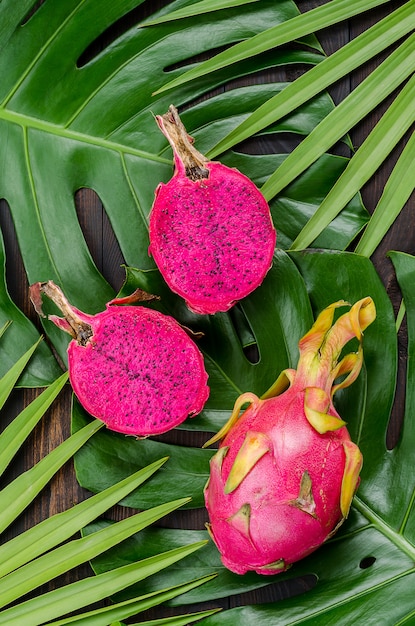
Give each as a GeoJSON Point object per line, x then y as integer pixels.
{"type": "Point", "coordinates": [211, 232]}
{"type": "Point", "coordinates": [132, 367]}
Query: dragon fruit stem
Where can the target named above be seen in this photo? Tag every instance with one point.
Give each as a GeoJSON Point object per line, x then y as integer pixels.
{"type": "Point", "coordinates": [185, 154]}
{"type": "Point", "coordinates": [72, 322]}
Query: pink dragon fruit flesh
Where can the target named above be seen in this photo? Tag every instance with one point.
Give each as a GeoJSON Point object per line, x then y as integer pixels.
{"type": "Point", "coordinates": [132, 367]}
{"type": "Point", "coordinates": [286, 470]}
{"type": "Point", "coordinates": [211, 233]}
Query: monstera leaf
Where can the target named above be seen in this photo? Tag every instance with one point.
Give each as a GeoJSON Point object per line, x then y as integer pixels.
{"type": "Point", "coordinates": [369, 568]}
{"type": "Point", "coordinates": [312, 281]}
{"type": "Point", "coordinates": [370, 560]}
{"type": "Point", "coordinates": [70, 119]}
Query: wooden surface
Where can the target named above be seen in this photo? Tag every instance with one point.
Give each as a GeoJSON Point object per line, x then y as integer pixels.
{"type": "Point", "coordinates": [63, 490]}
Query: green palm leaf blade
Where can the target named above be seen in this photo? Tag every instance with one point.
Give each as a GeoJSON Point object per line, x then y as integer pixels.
{"type": "Point", "coordinates": [53, 604]}
{"type": "Point", "coordinates": [22, 490]}
{"type": "Point", "coordinates": [4, 328]}
{"type": "Point", "coordinates": [17, 431]}
{"type": "Point", "coordinates": [63, 558]}
{"type": "Point", "coordinates": [300, 25]}
{"type": "Point", "coordinates": [352, 55]}
{"type": "Point", "coordinates": [378, 145]}
{"type": "Point", "coordinates": [61, 526]}
{"type": "Point", "coordinates": [196, 9]}
{"type": "Point", "coordinates": [396, 192]}
{"type": "Point", "coordinates": [123, 610]}
{"type": "Point", "coordinates": [180, 620]}
{"type": "Point", "coordinates": [9, 379]}
{"type": "Point", "coordinates": [150, 542]}
{"type": "Point", "coordinates": [369, 94]}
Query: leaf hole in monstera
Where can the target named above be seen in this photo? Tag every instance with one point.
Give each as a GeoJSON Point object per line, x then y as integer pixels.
{"type": "Point", "coordinates": [197, 58]}
{"type": "Point", "coordinates": [99, 236]}
{"type": "Point", "coordinates": [367, 562]}
{"type": "Point", "coordinates": [117, 29]}
{"type": "Point", "coordinates": [15, 272]}
{"type": "Point", "coordinates": [271, 143]}
{"type": "Point", "coordinates": [31, 12]}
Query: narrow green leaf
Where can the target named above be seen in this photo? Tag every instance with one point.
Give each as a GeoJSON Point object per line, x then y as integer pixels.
{"type": "Point", "coordinates": [62, 526]}
{"type": "Point", "coordinates": [18, 494]}
{"type": "Point", "coordinates": [70, 555]}
{"type": "Point", "coordinates": [66, 599]}
{"type": "Point", "coordinates": [123, 610]}
{"type": "Point", "coordinates": [352, 55]}
{"type": "Point", "coordinates": [299, 26]}
{"type": "Point", "coordinates": [373, 151]}
{"type": "Point", "coordinates": [204, 6]}
{"type": "Point", "coordinates": [369, 93]}
{"type": "Point", "coordinates": [18, 430]}
{"type": "Point", "coordinates": [10, 378]}
{"type": "Point", "coordinates": [395, 194]}
{"type": "Point", "coordinates": [153, 539]}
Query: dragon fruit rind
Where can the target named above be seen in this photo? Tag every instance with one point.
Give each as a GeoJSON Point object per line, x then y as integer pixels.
{"type": "Point", "coordinates": [286, 470]}
{"type": "Point", "coordinates": [211, 233]}
{"type": "Point", "coordinates": [132, 367]}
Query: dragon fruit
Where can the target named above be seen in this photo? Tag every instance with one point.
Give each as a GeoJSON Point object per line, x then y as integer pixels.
{"type": "Point", "coordinates": [285, 473]}
{"type": "Point", "coordinates": [132, 367]}
{"type": "Point", "coordinates": [211, 233]}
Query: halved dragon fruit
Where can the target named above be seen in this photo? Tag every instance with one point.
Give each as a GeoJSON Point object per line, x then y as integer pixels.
{"type": "Point", "coordinates": [131, 367]}
{"type": "Point", "coordinates": [286, 471]}
{"type": "Point", "coordinates": [211, 233]}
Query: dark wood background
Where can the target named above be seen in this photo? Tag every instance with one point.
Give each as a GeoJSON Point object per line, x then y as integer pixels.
{"type": "Point", "coordinates": [64, 491]}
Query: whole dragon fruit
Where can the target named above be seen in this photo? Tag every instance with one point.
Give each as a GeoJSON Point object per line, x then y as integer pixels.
{"type": "Point", "coordinates": [211, 233]}
{"type": "Point", "coordinates": [133, 368]}
{"type": "Point", "coordinates": [286, 471]}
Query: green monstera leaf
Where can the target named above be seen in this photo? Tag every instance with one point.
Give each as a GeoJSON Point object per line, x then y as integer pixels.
{"type": "Point", "coordinates": [72, 119]}
{"type": "Point", "coordinates": [366, 405]}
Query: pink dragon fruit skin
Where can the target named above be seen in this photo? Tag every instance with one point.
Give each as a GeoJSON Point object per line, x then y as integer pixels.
{"type": "Point", "coordinates": [211, 233]}
{"type": "Point", "coordinates": [132, 367]}
{"type": "Point", "coordinates": [284, 476]}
